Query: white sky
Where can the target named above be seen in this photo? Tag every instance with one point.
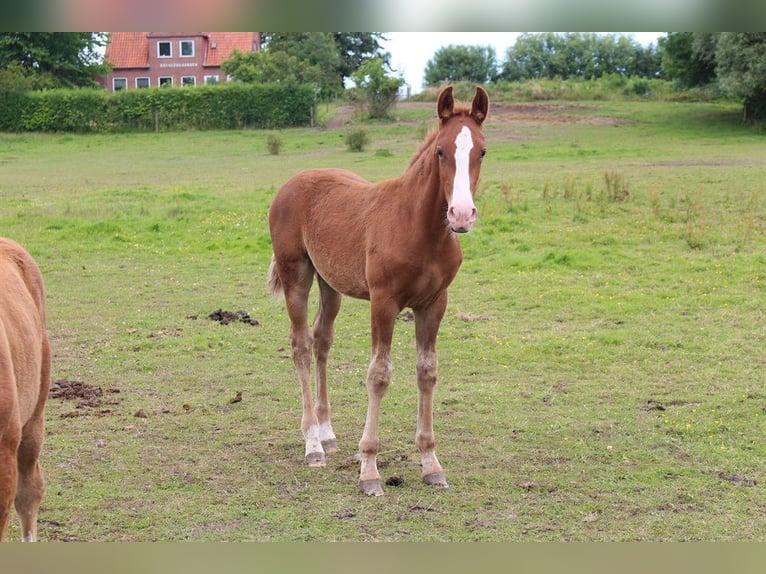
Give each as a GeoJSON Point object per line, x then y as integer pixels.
{"type": "Point", "coordinates": [410, 51]}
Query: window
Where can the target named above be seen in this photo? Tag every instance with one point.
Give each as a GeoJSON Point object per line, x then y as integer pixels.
{"type": "Point", "coordinates": [165, 81]}
{"type": "Point", "coordinates": [211, 79]}
{"type": "Point", "coordinates": [164, 49]}
{"type": "Point", "coordinates": [188, 81]}
{"type": "Point", "coordinates": [187, 48]}
{"type": "Point", "coordinates": [142, 82]}
{"type": "Point", "coordinates": [119, 84]}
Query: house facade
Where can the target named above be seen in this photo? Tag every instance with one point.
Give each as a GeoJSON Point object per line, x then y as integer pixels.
{"type": "Point", "coordinates": [165, 59]}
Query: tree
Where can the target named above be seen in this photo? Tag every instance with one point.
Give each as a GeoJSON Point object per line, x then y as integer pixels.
{"type": "Point", "coordinates": [578, 55]}
{"type": "Point", "coordinates": [355, 48]}
{"type": "Point", "coordinates": [338, 54]}
{"type": "Point", "coordinates": [316, 50]}
{"type": "Point", "coordinates": [475, 64]}
{"type": "Point", "coordinates": [53, 59]}
{"type": "Point", "coordinates": [741, 66]}
{"type": "Point", "coordinates": [272, 67]}
{"type": "Point", "coordinates": [688, 58]}
{"type": "Point", "coordinates": [375, 89]}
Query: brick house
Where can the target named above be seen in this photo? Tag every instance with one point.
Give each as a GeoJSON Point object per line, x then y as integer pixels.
{"type": "Point", "coordinates": [151, 59]}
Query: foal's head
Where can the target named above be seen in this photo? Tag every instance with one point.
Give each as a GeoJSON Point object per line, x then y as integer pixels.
{"type": "Point", "coordinates": [460, 149]}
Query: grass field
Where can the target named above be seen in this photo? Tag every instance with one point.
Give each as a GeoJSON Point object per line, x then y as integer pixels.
{"type": "Point", "coordinates": [602, 358]}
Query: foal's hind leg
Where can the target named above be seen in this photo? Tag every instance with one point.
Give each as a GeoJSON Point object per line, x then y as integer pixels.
{"type": "Point", "coordinates": [9, 441]}
{"type": "Point", "coordinates": [297, 278]}
{"type": "Point", "coordinates": [30, 484]}
{"type": "Point", "coordinates": [329, 305]}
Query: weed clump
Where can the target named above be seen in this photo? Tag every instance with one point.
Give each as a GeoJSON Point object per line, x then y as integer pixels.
{"type": "Point", "coordinates": [274, 143]}
{"type": "Point", "coordinates": [357, 140]}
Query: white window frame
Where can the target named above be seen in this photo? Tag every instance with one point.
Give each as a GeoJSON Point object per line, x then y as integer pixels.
{"type": "Point", "coordinates": [212, 79]}
{"type": "Point", "coordinates": [181, 48]}
{"type": "Point", "coordinates": [124, 82]}
{"type": "Point", "coordinates": [170, 48]}
{"type": "Point", "coordinates": [185, 84]}
{"type": "Point", "coordinates": [148, 82]}
{"type": "Point", "coordinates": [168, 83]}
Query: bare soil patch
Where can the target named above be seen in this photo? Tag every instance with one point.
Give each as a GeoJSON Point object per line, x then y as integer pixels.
{"type": "Point", "coordinates": [89, 398]}
{"type": "Point", "coordinates": [503, 113]}
{"type": "Point", "coordinates": [538, 113]}
{"type": "Point", "coordinates": [225, 317]}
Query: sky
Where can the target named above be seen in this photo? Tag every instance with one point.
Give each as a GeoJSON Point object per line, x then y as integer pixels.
{"type": "Point", "coordinates": [411, 51]}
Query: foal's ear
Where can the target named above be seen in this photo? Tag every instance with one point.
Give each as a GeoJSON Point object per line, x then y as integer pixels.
{"type": "Point", "coordinates": [480, 105]}
{"type": "Point", "coordinates": [446, 104]}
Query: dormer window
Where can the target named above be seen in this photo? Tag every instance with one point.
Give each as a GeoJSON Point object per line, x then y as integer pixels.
{"type": "Point", "coordinates": [164, 49]}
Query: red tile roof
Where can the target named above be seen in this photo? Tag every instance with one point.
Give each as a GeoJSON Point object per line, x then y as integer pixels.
{"type": "Point", "coordinates": [128, 50]}
{"type": "Point", "coordinates": [131, 49]}
{"type": "Point", "coordinates": [226, 43]}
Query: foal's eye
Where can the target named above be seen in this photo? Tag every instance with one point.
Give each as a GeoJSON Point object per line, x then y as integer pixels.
{"type": "Point", "coordinates": [439, 153]}
{"type": "Point", "coordinates": [483, 153]}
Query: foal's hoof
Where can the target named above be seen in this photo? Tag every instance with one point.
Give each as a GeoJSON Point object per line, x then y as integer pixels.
{"type": "Point", "coordinates": [437, 479]}
{"type": "Point", "coordinates": [330, 446]}
{"type": "Point", "coordinates": [315, 459]}
{"type": "Point", "coordinates": [371, 487]}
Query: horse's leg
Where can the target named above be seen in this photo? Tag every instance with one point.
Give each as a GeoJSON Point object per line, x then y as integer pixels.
{"type": "Point", "coordinates": [296, 283]}
{"type": "Point", "coordinates": [383, 315]}
{"type": "Point", "coordinates": [427, 321]}
{"type": "Point", "coordinates": [9, 441]}
{"type": "Point", "coordinates": [10, 434]}
{"type": "Point", "coordinates": [30, 485]}
{"type": "Point", "coordinates": [329, 305]}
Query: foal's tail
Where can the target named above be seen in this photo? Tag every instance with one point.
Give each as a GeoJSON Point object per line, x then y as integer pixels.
{"type": "Point", "coordinates": [274, 283]}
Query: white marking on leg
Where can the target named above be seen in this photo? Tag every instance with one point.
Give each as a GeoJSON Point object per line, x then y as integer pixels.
{"type": "Point", "coordinates": [325, 432]}
{"type": "Point", "coordinates": [313, 442]}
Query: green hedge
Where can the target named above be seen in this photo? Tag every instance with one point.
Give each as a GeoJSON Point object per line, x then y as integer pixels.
{"type": "Point", "coordinates": [228, 106]}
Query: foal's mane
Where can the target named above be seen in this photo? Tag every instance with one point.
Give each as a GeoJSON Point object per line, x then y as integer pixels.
{"type": "Point", "coordinates": [464, 111]}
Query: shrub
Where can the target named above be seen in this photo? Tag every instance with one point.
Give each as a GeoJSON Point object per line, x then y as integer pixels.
{"type": "Point", "coordinates": [274, 143]}
{"type": "Point", "coordinates": [357, 139]}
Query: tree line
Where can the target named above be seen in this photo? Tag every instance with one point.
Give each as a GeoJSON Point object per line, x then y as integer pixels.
{"type": "Point", "coordinates": [732, 64]}
{"type": "Point", "coordinates": [547, 55]}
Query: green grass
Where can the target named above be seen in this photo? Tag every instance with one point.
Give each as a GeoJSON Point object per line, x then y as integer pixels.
{"type": "Point", "coordinates": [602, 365]}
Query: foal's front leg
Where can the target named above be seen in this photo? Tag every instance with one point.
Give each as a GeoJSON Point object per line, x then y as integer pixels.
{"type": "Point", "coordinates": [383, 316]}
{"type": "Point", "coordinates": [427, 321]}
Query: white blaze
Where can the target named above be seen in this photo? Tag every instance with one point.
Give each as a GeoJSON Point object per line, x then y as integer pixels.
{"type": "Point", "coordinates": [461, 207]}
{"type": "Point", "coordinates": [461, 189]}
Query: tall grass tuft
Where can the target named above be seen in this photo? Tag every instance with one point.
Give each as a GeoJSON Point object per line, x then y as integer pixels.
{"type": "Point", "coordinates": [357, 139]}
{"type": "Point", "coordinates": [274, 143]}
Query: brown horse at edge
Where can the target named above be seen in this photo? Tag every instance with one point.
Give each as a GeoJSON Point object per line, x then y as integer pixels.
{"type": "Point", "coordinates": [393, 243]}
{"type": "Point", "coordinates": [25, 368]}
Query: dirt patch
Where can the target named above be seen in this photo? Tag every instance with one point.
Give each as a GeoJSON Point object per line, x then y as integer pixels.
{"type": "Point", "coordinates": [343, 116]}
{"type": "Point", "coordinates": [226, 317]}
{"type": "Point", "coordinates": [533, 113]}
{"type": "Point", "coordinates": [693, 163]}
{"type": "Point", "coordinates": [89, 398]}
{"type": "Point", "coordinates": [737, 479]}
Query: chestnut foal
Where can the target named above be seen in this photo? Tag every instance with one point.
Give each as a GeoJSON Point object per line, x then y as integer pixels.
{"type": "Point", "coordinates": [393, 243]}
{"type": "Point", "coordinates": [25, 369]}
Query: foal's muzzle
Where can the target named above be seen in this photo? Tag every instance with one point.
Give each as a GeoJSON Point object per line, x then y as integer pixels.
{"type": "Point", "coordinates": [461, 219]}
